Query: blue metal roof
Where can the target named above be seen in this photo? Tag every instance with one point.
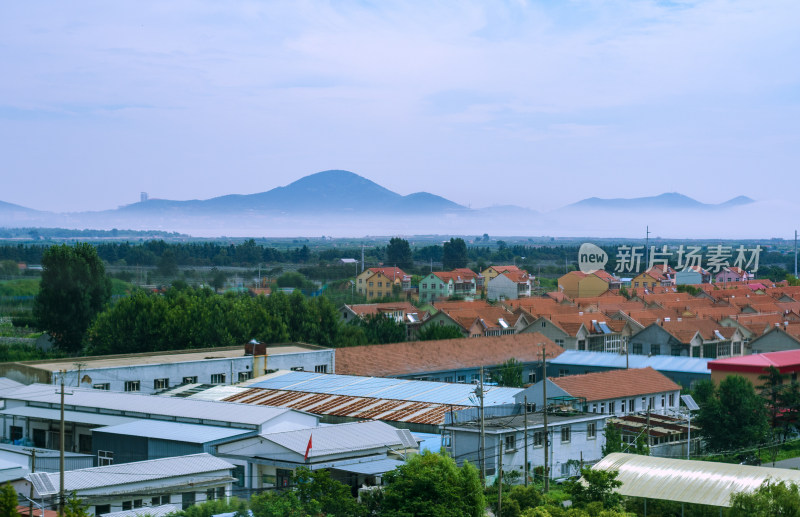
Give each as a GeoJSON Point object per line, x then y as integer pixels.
{"type": "Point", "coordinates": [175, 431]}
{"type": "Point", "coordinates": [386, 388]}
{"type": "Point", "coordinates": [666, 363]}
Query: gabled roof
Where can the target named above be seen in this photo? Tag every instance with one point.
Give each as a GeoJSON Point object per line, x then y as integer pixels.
{"type": "Point", "coordinates": [390, 272]}
{"type": "Point", "coordinates": [615, 384]}
{"type": "Point", "coordinates": [414, 357]}
{"type": "Point", "coordinates": [335, 439]}
{"type": "Point", "coordinates": [47, 483]}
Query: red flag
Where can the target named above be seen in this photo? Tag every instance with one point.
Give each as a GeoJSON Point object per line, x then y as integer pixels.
{"type": "Point", "coordinates": [308, 448]}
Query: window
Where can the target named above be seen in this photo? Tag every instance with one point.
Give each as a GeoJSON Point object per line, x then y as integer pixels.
{"type": "Point", "coordinates": [531, 407]}
{"type": "Point", "coordinates": [671, 399]}
{"type": "Point", "coordinates": [594, 408]}
{"type": "Point", "coordinates": [424, 286]}
{"type": "Point", "coordinates": [737, 348]}
{"type": "Point", "coordinates": [562, 372]}
{"type": "Point", "coordinates": [85, 443]}
{"type": "Point", "coordinates": [16, 432]}
{"type": "Point", "coordinates": [372, 284]}
{"type": "Point", "coordinates": [560, 342]}
{"type": "Point", "coordinates": [132, 385]}
{"type": "Point", "coordinates": [220, 492]}
{"type": "Point", "coordinates": [510, 442]}
{"type": "Point", "coordinates": [321, 368]}
{"type": "Point", "coordinates": [102, 386]}
{"type": "Point", "coordinates": [137, 503]}
{"type": "Point", "coordinates": [602, 407]}
{"type": "Point", "coordinates": [565, 470]}
{"type": "Point", "coordinates": [612, 407]}
{"type": "Point", "coordinates": [218, 378]}
{"type": "Point", "coordinates": [591, 430]}
{"type": "Point", "coordinates": [655, 349]}
{"type": "Point", "coordinates": [448, 379]}
{"type": "Point", "coordinates": [210, 494]}
{"type": "Point", "coordinates": [160, 384]}
{"type": "Point", "coordinates": [462, 379]}
{"type": "Point", "coordinates": [126, 505]}
{"type": "Point", "coordinates": [190, 380]}
{"type": "Point", "coordinates": [380, 284]}
{"type": "Point", "coordinates": [663, 400]}
{"type": "Point", "coordinates": [101, 509]}
{"type": "Point", "coordinates": [581, 344]}
{"type": "Point", "coordinates": [532, 377]}
{"type": "Point", "coordinates": [476, 378]}
{"type": "Point", "coordinates": [631, 406]}
{"type": "Point", "coordinates": [543, 324]}
{"type": "Point", "coordinates": [159, 500]}
{"type": "Point", "coordinates": [187, 500]}
{"type": "Point", "coordinates": [566, 433]}
{"type": "Point", "coordinates": [105, 458]}
{"type": "Point", "coordinates": [644, 403]}
{"type": "Point", "coordinates": [637, 348]}
{"type": "Point", "coordinates": [538, 439]}
{"type": "Point", "coordinates": [652, 403]}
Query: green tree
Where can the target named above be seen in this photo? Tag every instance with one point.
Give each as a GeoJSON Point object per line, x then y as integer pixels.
{"type": "Point", "coordinates": [454, 254]}
{"type": "Point", "coordinates": [380, 329]}
{"type": "Point", "coordinates": [218, 278]}
{"type": "Point", "coordinates": [613, 440]}
{"type": "Point", "coordinates": [434, 332]}
{"type": "Point", "coordinates": [398, 253]}
{"type": "Point", "coordinates": [209, 508]}
{"type": "Point", "coordinates": [431, 485]}
{"type": "Point", "coordinates": [508, 374]}
{"type": "Point", "coordinates": [770, 500]}
{"type": "Point", "coordinates": [734, 417]}
{"type": "Point", "coordinates": [8, 268]}
{"type": "Point", "coordinates": [772, 388]}
{"type": "Point", "coordinates": [8, 501]}
{"type": "Point", "coordinates": [280, 504]}
{"type": "Point", "coordinates": [316, 489]}
{"type": "Point", "coordinates": [596, 486]}
{"type": "Point", "coordinates": [74, 507]}
{"type": "Point", "coordinates": [73, 290]}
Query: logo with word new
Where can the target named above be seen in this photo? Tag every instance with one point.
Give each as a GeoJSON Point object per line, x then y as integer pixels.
{"type": "Point", "coordinates": [591, 258]}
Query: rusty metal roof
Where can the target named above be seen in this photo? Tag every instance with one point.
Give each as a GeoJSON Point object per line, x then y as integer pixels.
{"type": "Point", "coordinates": [348, 406]}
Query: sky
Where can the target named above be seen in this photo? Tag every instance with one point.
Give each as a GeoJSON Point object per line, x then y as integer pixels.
{"type": "Point", "coordinates": [532, 103]}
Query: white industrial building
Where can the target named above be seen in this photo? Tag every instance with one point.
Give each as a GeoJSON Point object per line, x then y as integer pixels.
{"type": "Point", "coordinates": [182, 480]}
{"type": "Point", "coordinates": [154, 372]}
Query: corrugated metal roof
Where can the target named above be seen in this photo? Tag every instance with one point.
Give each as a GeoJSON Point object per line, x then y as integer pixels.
{"type": "Point", "coordinates": [69, 416]}
{"type": "Point", "coordinates": [176, 431]}
{"type": "Point", "coordinates": [665, 363]}
{"type": "Point", "coordinates": [151, 511]}
{"type": "Point", "coordinates": [370, 468]}
{"type": "Point", "coordinates": [346, 406]}
{"type": "Point", "coordinates": [6, 383]}
{"type": "Point", "coordinates": [125, 473]}
{"type": "Point", "coordinates": [387, 388]}
{"type": "Point", "coordinates": [334, 439]}
{"type": "Point", "coordinates": [688, 481]}
{"type": "Point", "coordinates": [146, 405]}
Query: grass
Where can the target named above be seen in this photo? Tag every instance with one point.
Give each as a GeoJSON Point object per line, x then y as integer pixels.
{"type": "Point", "coordinates": [19, 287]}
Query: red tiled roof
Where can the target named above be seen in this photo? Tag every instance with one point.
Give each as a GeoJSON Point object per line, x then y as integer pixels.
{"type": "Point", "coordinates": [615, 384]}
{"type": "Point", "coordinates": [389, 272]}
{"type": "Point", "coordinates": [447, 354]}
{"type": "Point", "coordinates": [788, 359]}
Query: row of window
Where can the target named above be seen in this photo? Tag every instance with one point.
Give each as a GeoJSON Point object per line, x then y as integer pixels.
{"type": "Point", "coordinates": [512, 441]}
{"type": "Point", "coordinates": [630, 404]}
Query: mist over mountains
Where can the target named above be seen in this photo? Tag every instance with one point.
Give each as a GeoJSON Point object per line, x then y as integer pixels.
{"type": "Point", "coordinates": [341, 203]}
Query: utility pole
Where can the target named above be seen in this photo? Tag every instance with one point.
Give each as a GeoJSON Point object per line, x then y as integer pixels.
{"type": "Point", "coordinates": [544, 410]}
{"type": "Point", "coordinates": [500, 478]}
{"type": "Point", "coordinates": [362, 257]}
{"type": "Point", "coordinates": [795, 253]}
{"type": "Point", "coordinates": [647, 248]}
{"type": "Point", "coordinates": [483, 435]}
{"type": "Point", "coordinates": [78, 381]}
{"type": "Point", "coordinates": [33, 469]}
{"type": "Point", "coordinates": [648, 425]}
{"type": "Point", "coordinates": [61, 452]}
{"type": "Point", "coordinates": [526, 440]}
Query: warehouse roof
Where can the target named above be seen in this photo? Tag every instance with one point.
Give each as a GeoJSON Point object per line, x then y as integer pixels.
{"type": "Point", "coordinates": [614, 384]}
{"type": "Point", "coordinates": [80, 417]}
{"type": "Point", "coordinates": [666, 363]}
{"type": "Point", "coordinates": [102, 402]}
{"type": "Point", "coordinates": [173, 431]}
{"type": "Point", "coordinates": [688, 481]}
{"type": "Point", "coordinates": [47, 483]}
{"type": "Point", "coordinates": [386, 388]}
{"type": "Point", "coordinates": [417, 357]}
{"type": "Point", "coordinates": [758, 362]}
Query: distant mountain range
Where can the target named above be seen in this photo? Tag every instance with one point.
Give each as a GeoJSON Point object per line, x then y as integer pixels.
{"type": "Point", "coordinates": [336, 201]}
{"type": "Point", "coordinates": [667, 201]}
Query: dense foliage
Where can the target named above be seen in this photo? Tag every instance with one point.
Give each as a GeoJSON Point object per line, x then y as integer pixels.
{"type": "Point", "coordinates": [770, 500]}
{"type": "Point", "coordinates": [733, 416]}
{"type": "Point", "coordinates": [73, 289]}
{"type": "Point", "coordinates": [199, 318]}
{"type": "Point", "coordinates": [508, 374]}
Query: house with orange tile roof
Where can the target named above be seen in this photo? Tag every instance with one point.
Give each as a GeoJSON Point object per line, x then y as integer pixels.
{"type": "Point", "coordinates": [658, 275]}
{"type": "Point", "coordinates": [732, 275]}
{"type": "Point", "coordinates": [692, 337]}
{"type": "Point", "coordinates": [614, 392]}
{"type": "Point", "coordinates": [377, 282]}
{"type": "Point", "coordinates": [583, 331]}
{"type": "Point", "coordinates": [447, 360]}
{"type": "Point", "coordinates": [492, 271]}
{"type": "Point", "coordinates": [481, 321]}
{"type": "Point", "coordinates": [577, 284]}
{"type": "Point", "coordinates": [779, 338]}
{"type": "Point", "coordinates": [400, 312]}
{"type": "Point", "coordinates": [509, 285]}
{"type": "Point", "coordinates": [440, 285]}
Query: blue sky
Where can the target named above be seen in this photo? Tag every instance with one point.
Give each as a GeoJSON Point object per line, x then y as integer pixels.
{"type": "Point", "coordinates": [533, 103]}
